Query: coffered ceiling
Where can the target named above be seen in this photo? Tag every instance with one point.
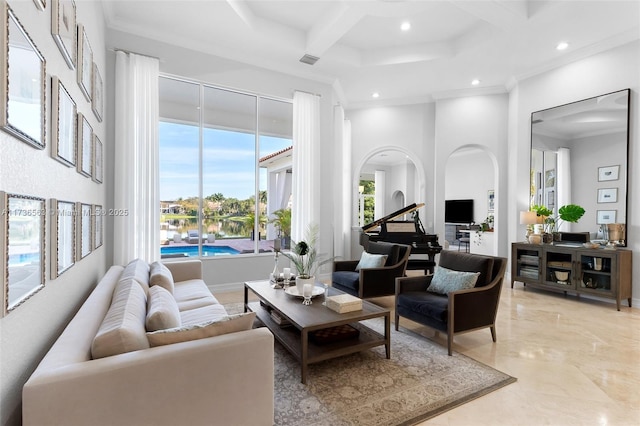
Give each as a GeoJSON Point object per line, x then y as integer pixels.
{"type": "Point", "coordinates": [362, 49]}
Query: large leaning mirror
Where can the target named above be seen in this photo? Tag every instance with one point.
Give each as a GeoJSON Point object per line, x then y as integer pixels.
{"type": "Point", "coordinates": [22, 82]}
{"type": "Point", "coordinates": [579, 155]}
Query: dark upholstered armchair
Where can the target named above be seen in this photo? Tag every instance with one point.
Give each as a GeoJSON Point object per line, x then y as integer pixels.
{"type": "Point", "coordinates": [372, 282]}
{"type": "Point", "coordinates": [458, 311]}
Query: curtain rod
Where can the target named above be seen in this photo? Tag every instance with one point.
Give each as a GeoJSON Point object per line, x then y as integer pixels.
{"type": "Point", "coordinates": [308, 93]}
{"type": "Point", "coordinates": [117, 49]}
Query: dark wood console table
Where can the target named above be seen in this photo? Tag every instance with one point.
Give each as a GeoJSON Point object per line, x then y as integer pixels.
{"type": "Point", "coordinates": [575, 269]}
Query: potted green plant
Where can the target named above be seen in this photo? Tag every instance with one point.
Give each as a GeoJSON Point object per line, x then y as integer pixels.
{"type": "Point", "coordinates": [282, 222]}
{"type": "Point", "coordinates": [304, 256]}
{"type": "Point", "coordinates": [567, 213]}
{"type": "Point", "coordinates": [485, 226]}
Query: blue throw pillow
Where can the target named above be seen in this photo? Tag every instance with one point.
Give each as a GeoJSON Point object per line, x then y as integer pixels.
{"type": "Point", "coordinates": [445, 280]}
{"type": "Point", "coordinates": [368, 260]}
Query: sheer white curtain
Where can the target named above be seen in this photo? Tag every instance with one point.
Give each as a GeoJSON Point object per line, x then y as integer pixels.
{"type": "Point", "coordinates": [306, 149]}
{"type": "Point", "coordinates": [564, 182]}
{"type": "Point", "coordinates": [136, 233]}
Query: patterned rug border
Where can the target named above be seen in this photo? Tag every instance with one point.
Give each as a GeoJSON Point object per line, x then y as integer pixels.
{"type": "Point", "coordinates": [310, 397]}
{"type": "Point", "coordinates": [475, 395]}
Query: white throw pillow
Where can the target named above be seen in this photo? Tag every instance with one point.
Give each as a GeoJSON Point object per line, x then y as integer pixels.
{"type": "Point", "coordinates": [160, 275]}
{"type": "Point", "coordinates": [138, 270]}
{"type": "Point", "coordinates": [229, 324]}
{"type": "Point", "coordinates": [162, 310]}
{"type": "Point", "coordinates": [445, 280]}
{"type": "Point", "coordinates": [122, 329]}
{"type": "Point", "coordinates": [368, 260]}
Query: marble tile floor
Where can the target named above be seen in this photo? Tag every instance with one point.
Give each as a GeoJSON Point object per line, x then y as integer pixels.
{"type": "Point", "coordinates": [577, 361]}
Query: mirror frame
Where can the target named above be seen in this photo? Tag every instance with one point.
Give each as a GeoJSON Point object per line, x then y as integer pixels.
{"type": "Point", "coordinates": [623, 197]}
{"type": "Point", "coordinates": [7, 16]}
{"type": "Point", "coordinates": [37, 210]}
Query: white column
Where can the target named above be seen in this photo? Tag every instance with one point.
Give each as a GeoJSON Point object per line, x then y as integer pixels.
{"type": "Point", "coordinates": [381, 192]}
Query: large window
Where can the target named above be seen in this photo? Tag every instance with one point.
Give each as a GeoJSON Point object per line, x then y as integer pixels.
{"type": "Point", "coordinates": [223, 169]}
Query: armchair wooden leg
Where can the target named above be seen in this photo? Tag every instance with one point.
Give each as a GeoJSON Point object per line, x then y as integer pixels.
{"type": "Point", "coordinates": [493, 332]}
{"type": "Point", "coordinates": [397, 320]}
{"type": "Point", "coordinates": [449, 343]}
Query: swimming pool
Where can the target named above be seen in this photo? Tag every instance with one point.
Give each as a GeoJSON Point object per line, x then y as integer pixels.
{"type": "Point", "coordinates": [189, 251]}
{"type": "Point", "coordinates": [23, 258]}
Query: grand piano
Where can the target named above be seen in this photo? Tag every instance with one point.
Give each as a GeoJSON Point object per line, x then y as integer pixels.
{"type": "Point", "coordinates": [424, 247]}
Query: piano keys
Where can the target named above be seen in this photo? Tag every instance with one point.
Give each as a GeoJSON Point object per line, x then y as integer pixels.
{"type": "Point", "coordinates": [411, 233]}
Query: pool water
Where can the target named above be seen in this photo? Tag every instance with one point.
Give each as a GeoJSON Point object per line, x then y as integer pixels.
{"type": "Point", "coordinates": [188, 251]}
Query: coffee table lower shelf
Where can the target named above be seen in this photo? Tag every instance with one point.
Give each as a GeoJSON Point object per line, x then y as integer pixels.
{"type": "Point", "coordinates": [295, 340]}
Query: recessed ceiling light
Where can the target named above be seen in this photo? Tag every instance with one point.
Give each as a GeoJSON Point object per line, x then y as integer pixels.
{"type": "Point", "coordinates": [475, 82]}
{"type": "Point", "coordinates": [562, 45]}
{"type": "Point", "coordinates": [376, 95]}
{"type": "Point", "coordinates": [406, 26]}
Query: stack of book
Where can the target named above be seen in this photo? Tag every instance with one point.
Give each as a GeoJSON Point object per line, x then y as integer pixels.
{"type": "Point", "coordinates": [279, 319]}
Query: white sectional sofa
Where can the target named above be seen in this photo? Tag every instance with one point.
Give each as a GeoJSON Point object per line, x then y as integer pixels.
{"type": "Point", "coordinates": [106, 368]}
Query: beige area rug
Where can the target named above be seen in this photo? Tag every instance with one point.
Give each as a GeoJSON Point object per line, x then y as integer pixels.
{"type": "Point", "coordinates": [420, 381]}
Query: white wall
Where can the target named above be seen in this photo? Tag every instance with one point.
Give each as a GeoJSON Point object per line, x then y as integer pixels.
{"type": "Point", "coordinates": [607, 72]}
{"type": "Point", "coordinates": [475, 122]}
{"type": "Point", "coordinates": [470, 174]}
{"type": "Point", "coordinates": [407, 128]}
{"type": "Point", "coordinates": [28, 331]}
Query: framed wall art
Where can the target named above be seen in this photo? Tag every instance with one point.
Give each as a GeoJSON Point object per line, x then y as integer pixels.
{"type": "Point", "coordinates": [98, 169]}
{"type": "Point", "coordinates": [22, 91]}
{"type": "Point", "coordinates": [85, 143]}
{"type": "Point", "coordinates": [63, 124]}
{"type": "Point", "coordinates": [550, 178]}
{"type": "Point", "coordinates": [605, 216]}
{"type": "Point", "coordinates": [491, 199]}
{"type": "Point", "coordinates": [22, 233]}
{"type": "Point", "coordinates": [97, 96]}
{"type": "Point", "coordinates": [63, 234]}
{"type": "Point", "coordinates": [84, 230]}
{"type": "Point", "coordinates": [85, 63]}
{"type": "Point", "coordinates": [608, 173]}
{"type": "Point", "coordinates": [608, 195]}
{"type": "Point", "coordinates": [98, 225]}
{"type": "Point", "coordinates": [63, 29]}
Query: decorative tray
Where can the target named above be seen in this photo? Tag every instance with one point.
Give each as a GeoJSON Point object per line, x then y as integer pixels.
{"type": "Point", "coordinates": [293, 291]}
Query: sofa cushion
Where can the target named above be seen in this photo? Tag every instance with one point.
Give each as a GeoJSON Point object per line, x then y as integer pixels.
{"type": "Point", "coordinates": [346, 279]}
{"type": "Point", "coordinates": [122, 329]}
{"type": "Point", "coordinates": [445, 280]}
{"type": "Point", "coordinates": [138, 270]}
{"type": "Point", "coordinates": [202, 314]}
{"type": "Point", "coordinates": [228, 324]}
{"type": "Point", "coordinates": [162, 310]}
{"type": "Point", "coordinates": [161, 275]}
{"type": "Point", "coordinates": [468, 262]}
{"type": "Point", "coordinates": [426, 304]}
{"type": "Point", "coordinates": [368, 260]}
{"type": "Point", "coordinates": [192, 294]}
{"type": "Point", "coordinates": [391, 250]}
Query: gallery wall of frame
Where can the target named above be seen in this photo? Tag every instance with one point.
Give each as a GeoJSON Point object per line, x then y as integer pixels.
{"type": "Point", "coordinates": [52, 100]}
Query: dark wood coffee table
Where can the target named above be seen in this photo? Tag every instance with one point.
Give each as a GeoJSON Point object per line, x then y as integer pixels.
{"type": "Point", "coordinates": [306, 319]}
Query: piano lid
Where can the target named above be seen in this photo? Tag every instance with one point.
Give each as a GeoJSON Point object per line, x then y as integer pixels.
{"type": "Point", "coordinates": [408, 209]}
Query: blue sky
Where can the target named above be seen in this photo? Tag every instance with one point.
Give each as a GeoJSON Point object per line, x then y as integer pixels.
{"type": "Point", "coordinates": [228, 166]}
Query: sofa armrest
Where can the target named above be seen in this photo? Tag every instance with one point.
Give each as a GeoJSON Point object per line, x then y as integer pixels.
{"type": "Point", "coordinates": [226, 378]}
{"type": "Point", "coordinates": [185, 270]}
{"type": "Point", "coordinates": [345, 265]}
{"type": "Point", "coordinates": [418, 283]}
{"type": "Point", "coordinates": [475, 307]}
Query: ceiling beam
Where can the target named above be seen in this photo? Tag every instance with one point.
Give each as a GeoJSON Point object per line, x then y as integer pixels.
{"type": "Point", "coordinates": [332, 27]}
{"type": "Point", "coordinates": [506, 15]}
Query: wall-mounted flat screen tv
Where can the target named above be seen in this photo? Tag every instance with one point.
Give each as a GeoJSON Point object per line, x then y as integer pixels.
{"type": "Point", "coordinates": [458, 211]}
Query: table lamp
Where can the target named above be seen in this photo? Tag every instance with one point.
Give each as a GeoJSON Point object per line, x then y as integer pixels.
{"type": "Point", "coordinates": [530, 218]}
